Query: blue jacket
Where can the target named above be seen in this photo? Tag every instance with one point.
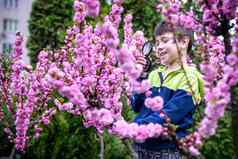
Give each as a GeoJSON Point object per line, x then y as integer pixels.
{"type": "Point", "coordinates": [179, 103]}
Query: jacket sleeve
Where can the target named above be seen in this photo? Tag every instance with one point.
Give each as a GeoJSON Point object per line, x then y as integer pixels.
{"type": "Point", "coordinates": [176, 109]}
{"type": "Point", "coordinates": [137, 100]}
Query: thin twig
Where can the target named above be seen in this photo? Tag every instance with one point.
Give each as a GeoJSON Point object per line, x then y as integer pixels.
{"type": "Point", "coordinates": [130, 148]}
{"type": "Point", "coordinates": [12, 153]}
{"type": "Point", "coordinates": [101, 155]}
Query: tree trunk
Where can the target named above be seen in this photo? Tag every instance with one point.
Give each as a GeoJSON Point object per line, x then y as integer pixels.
{"type": "Point", "coordinates": [234, 116]}
{"type": "Point", "coordinates": [234, 92]}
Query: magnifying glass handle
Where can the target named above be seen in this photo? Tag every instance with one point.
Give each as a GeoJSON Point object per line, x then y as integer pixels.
{"type": "Point", "coordinates": [145, 73]}
{"type": "Point", "coordinates": [148, 65]}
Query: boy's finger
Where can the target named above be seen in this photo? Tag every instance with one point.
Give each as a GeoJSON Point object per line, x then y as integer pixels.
{"type": "Point", "coordinates": [141, 60]}
{"type": "Point", "coordinates": [140, 57]}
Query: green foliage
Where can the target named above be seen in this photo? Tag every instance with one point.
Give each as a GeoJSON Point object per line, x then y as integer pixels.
{"type": "Point", "coordinates": [116, 148]}
{"type": "Point", "coordinates": [65, 138]}
{"type": "Point", "coordinates": [5, 115]}
{"type": "Point", "coordinates": [220, 145]}
{"type": "Point", "coordinates": [5, 145]}
{"type": "Point", "coordinates": [145, 17]}
{"type": "Point", "coordinates": [47, 25]}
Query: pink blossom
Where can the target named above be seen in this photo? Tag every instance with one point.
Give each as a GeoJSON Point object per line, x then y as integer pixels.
{"type": "Point", "coordinates": [232, 59]}
{"type": "Point", "coordinates": [80, 11]}
{"type": "Point", "coordinates": [194, 151]}
{"type": "Point", "coordinates": [93, 7]}
{"type": "Point", "coordinates": [155, 103]}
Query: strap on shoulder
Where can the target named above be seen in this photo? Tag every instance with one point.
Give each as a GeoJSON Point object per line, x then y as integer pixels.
{"type": "Point", "coordinates": [161, 78]}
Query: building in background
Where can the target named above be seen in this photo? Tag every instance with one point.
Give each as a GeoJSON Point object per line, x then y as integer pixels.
{"type": "Point", "coordinates": [14, 15]}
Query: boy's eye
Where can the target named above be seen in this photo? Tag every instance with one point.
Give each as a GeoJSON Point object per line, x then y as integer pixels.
{"type": "Point", "coordinates": [162, 40]}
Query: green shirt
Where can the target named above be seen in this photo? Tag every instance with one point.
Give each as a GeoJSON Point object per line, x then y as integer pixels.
{"type": "Point", "coordinates": [177, 80]}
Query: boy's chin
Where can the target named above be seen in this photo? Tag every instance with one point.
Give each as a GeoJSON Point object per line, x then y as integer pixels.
{"type": "Point", "coordinates": [164, 63]}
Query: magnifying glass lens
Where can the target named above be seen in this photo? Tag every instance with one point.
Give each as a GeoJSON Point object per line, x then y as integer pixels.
{"type": "Point", "coordinates": [147, 48]}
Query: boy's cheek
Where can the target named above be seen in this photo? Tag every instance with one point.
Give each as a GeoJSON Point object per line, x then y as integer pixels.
{"type": "Point", "coordinates": [157, 55]}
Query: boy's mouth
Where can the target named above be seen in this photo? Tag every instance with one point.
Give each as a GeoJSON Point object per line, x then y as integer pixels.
{"type": "Point", "coordinates": [162, 53]}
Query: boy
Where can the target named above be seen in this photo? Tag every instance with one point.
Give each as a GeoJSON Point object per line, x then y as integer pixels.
{"type": "Point", "coordinates": [179, 84]}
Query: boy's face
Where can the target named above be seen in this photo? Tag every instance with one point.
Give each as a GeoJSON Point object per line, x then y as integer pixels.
{"type": "Point", "coordinates": [166, 49]}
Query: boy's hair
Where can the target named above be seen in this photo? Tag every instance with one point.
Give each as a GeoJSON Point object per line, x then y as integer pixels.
{"type": "Point", "coordinates": [180, 32]}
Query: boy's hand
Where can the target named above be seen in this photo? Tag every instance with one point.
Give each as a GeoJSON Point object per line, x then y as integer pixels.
{"type": "Point", "coordinates": [141, 60]}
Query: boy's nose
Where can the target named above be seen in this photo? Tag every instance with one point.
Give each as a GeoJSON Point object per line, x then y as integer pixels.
{"type": "Point", "coordinates": [160, 49]}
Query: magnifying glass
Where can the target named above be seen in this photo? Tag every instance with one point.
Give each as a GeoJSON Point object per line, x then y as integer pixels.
{"type": "Point", "coordinates": [146, 50]}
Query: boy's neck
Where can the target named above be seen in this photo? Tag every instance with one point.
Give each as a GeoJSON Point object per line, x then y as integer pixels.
{"type": "Point", "coordinates": [176, 66]}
